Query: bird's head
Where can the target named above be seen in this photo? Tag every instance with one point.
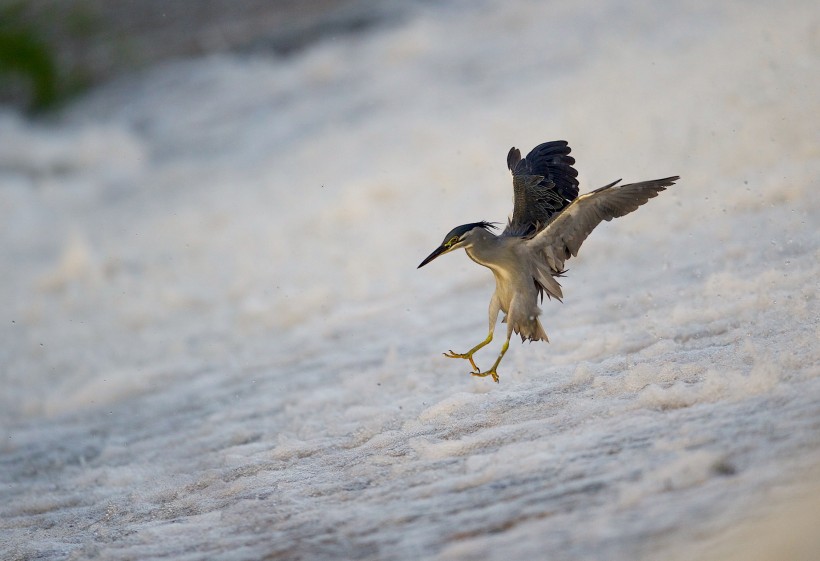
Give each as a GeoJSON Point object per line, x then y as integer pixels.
{"type": "Point", "coordinates": [457, 238]}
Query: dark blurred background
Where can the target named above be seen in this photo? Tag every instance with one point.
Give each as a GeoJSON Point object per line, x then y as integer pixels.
{"type": "Point", "coordinates": [51, 50]}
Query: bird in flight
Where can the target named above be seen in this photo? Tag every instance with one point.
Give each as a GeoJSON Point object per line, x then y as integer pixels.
{"type": "Point", "coordinates": [548, 225]}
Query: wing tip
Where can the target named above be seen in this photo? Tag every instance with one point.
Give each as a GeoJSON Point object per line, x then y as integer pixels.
{"type": "Point", "coordinates": [513, 157]}
{"type": "Point", "coordinates": [665, 182]}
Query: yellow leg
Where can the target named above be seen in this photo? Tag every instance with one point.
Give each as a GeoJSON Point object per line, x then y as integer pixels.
{"type": "Point", "coordinates": [491, 371]}
{"type": "Point", "coordinates": [469, 354]}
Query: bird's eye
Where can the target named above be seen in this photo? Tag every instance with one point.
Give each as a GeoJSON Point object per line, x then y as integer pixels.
{"type": "Point", "coordinates": [452, 241]}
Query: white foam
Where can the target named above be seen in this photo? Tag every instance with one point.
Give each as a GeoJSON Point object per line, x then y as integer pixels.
{"type": "Point", "coordinates": [214, 330]}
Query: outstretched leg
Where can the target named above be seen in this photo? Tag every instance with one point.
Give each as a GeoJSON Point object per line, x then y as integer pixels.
{"type": "Point", "coordinates": [492, 371]}
{"type": "Point", "coordinates": [469, 354]}
{"type": "Point", "coordinates": [495, 307]}
{"type": "Point", "coordinates": [510, 323]}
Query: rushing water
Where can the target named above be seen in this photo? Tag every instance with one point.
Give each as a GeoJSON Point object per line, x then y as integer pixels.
{"type": "Point", "coordinates": [215, 343]}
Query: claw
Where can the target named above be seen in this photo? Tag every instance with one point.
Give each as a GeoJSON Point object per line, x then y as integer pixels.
{"type": "Point", "coordinates": [467, 356]}
{"type": "Point", "coordinates": [491, 372]}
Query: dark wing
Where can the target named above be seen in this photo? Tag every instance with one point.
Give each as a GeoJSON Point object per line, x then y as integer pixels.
{"type": "Point", "coordinates": [543, 184]}
{"type": "Point", "coordinates": [562, 238]}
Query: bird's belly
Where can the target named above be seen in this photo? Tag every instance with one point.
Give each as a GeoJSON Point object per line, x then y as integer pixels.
{"type": "Point", "coordinates": [504, 291]}
{"type": "Point", "coordinates": [519, 287]}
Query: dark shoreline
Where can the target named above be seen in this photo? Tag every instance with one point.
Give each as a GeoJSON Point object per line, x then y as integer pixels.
{"type": "Point", "coordinates": [92, 41]}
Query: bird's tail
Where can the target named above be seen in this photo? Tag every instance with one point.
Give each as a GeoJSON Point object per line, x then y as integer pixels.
{"type": "Point", "coordinates": [533, 331]}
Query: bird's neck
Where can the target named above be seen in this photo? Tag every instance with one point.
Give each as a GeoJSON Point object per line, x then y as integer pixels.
{"type": "Point", "coordinates": [484, 252]}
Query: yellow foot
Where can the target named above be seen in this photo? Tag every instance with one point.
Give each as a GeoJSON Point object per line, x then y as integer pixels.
{"type": "Point", "coordinates": [467, 356]}
{"type": "Point", "coordinates": [490, 372]}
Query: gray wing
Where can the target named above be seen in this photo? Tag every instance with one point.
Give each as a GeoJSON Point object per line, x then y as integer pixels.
{"type": "Point", "coordinates": [563, 236]}
{"type": "Point", "coordinates": [543, 184]}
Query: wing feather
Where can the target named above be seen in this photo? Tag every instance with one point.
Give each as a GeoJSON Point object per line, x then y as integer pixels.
{"type": "Point", "coordinates": [543, 184]}
{"type": "Point", "coordinates": [563, 235]}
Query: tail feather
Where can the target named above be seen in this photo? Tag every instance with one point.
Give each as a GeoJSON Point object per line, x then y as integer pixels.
{"type": "Point", "coordinates": [541, 335]}
{"type": "Point", "coordinates": [532, 331]}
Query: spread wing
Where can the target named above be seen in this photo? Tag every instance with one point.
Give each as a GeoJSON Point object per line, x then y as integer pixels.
{"type": "Point", "coordinates": [543, 184]}
{"type": "Point", "coordinates": [563, 236]}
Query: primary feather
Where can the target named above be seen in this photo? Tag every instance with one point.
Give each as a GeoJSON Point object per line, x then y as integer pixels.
{"type": "Point", "coordinates": [544, 183]}
{"type": "Point", "coordinates": [563, 235]}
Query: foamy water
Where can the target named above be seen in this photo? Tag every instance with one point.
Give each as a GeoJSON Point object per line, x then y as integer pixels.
{"type": "Point", "coordinates": [216, 343]}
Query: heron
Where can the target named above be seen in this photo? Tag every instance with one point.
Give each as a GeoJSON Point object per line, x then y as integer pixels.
{"type": "Point", "coordinates": [548, 224]}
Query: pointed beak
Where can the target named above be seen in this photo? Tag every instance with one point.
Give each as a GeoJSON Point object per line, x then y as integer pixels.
{"type": "Point", "coordinates": [439, 251]}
